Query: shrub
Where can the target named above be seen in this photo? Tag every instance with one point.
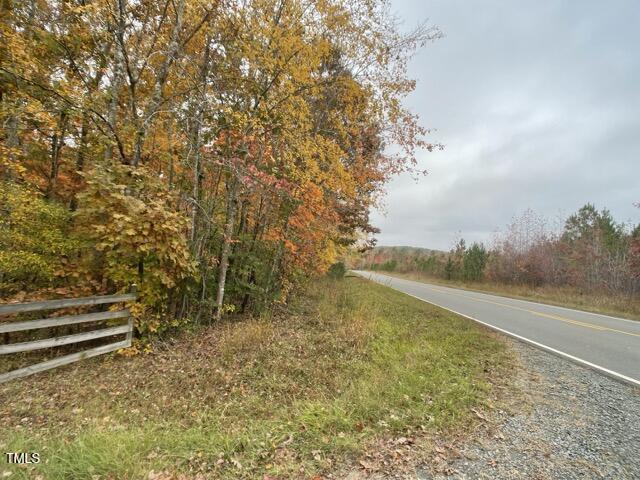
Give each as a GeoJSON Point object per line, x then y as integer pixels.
{"type": "Point", "coordinates": [36, 239]}
{"type": "Point", "coordinates": [139, 236]}
{"type": "Point", "coordinates": [337, 270]}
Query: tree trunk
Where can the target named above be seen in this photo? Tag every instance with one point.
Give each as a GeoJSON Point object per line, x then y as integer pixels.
{"type": "Point", "coordinates": [196, 142]}
{"type": "Point", "coordinates": [161, 79]}
{"type": "Point", "coordinates": [116, 81]}
{"type": "Point", "coordinates": [81, 157]}
{"type": "Point", "coordinates": [226, 245]}
{"type": "Point", "coordinates": [275, 265]}
{"type": "Point", "coordinates": [57, 142]}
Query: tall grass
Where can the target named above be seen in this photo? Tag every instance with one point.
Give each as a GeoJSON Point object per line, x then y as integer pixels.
{"type": "Point", "coordinates": [307, 388]}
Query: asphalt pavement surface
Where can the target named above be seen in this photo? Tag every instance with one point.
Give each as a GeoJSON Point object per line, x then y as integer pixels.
{"type": "Point", "coordinates": [607, 344]}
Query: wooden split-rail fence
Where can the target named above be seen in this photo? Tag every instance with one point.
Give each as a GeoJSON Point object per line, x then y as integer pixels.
{"type": "Point", "coordinates": [51, 322]}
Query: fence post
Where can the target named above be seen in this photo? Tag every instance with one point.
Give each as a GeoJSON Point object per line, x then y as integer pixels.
{"type": "Point", "coordinates": [133, 289]}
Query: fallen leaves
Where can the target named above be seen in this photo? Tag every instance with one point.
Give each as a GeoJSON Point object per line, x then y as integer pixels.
{"type": "Point", "coordinates": [369, 466]}
{"type": "Point", "coordinates": [403, 441]}
{"type": "Point", "coordinates": [479, 414]}
{"type": "Point", "coordinates": [164, 475]}
{"type": "Point", "coordinates": [193, 377]}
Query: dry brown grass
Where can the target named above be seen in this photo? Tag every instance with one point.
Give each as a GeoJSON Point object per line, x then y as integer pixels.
{"type": "Point", "coordinates": [288, 395]}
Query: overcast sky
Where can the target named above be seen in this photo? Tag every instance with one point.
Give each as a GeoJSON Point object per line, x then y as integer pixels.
{"type": "Point", "coordinates": [538, 105]}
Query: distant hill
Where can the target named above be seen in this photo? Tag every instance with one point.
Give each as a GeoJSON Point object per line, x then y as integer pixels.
{"type": "Point", "coordinates": [399, 257]}
{"type": "Point", "coordinates": [407, 250]}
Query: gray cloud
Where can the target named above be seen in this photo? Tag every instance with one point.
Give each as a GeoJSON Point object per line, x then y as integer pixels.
{"type": "Point", "coordinates": [538, 105]}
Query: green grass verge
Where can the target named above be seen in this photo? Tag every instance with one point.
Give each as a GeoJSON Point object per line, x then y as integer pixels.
{"type": "Point", "coordinates": [301, 390]}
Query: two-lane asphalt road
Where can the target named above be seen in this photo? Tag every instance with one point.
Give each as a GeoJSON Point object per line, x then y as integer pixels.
{"type": "Point", "coordinates": [608, 344]}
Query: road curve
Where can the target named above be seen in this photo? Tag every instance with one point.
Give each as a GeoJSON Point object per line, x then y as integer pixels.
{"type": "Point", "coordinates": [608, 344]}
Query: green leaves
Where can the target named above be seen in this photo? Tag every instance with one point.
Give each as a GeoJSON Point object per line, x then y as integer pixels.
{"type": "Point", "coordinates": [35, 238]}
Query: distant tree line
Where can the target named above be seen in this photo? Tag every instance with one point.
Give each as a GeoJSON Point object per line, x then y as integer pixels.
{"type": "Point", "coordinates": [591, 252]}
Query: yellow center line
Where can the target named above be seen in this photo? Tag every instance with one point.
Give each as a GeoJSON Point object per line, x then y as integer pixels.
{"type": "Point", "coordinates": [540, 314]}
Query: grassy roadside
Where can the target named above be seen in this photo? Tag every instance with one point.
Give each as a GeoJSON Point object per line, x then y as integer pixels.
{"type": "Point", "coordinates": [293, 395]}
{"type": "Point", "coordinates": [607, 304]}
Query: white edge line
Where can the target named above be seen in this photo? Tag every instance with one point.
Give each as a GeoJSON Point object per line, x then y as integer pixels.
{"type": "Point", "coordinates": [488, 294]}
{"type": "Point", "coordinates": [604, 370]}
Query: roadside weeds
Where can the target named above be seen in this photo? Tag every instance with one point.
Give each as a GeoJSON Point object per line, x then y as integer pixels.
{"type": "Point", "coordinates": [353, 374]}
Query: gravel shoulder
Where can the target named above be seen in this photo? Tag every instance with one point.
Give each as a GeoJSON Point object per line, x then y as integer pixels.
{"type": "Point", "coordinates": [567, 422]}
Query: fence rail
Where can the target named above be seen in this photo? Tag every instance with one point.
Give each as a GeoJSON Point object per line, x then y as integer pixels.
{"type": "Point", "coordinates": [10, 308]}
{"type": "Point", "coordinates": [13, 308]}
